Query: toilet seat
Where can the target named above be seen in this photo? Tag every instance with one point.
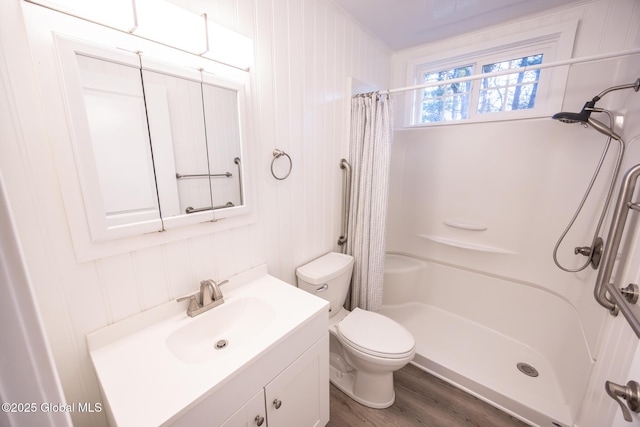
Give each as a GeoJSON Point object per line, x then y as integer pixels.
{"type": "Point", "coordinates": [376, 335]}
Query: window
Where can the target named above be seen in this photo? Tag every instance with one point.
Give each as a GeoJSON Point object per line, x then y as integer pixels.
{"type": "Point", "coordinates": [521, 94]}
{"type": "Point", "coordinates": [449, 101]}
{"type": "Point", "coordinates": [512, 91]}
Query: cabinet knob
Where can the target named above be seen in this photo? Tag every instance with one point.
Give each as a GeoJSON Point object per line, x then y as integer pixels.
{"type": "Point", "coordinates": [259, 420]}
{"type": "Point", "coordinates": [277, 403]}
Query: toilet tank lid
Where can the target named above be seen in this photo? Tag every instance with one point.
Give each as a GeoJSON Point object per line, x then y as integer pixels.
{"type": "Point", "coordinates": [325, 268]}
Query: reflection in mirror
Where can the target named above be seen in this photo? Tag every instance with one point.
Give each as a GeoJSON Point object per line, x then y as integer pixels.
{"type": "Point", "coordinates": [157, 148]}
{"type": "Point", "coordinates": [198, 126]}
{"type": "Point", "coordinates": [176, 123]}
{"type": "Point", "coordinates": [119, 152]}
{"type": "Point", "coordinates": [223, 140]}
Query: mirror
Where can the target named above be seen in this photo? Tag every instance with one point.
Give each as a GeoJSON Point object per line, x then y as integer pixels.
{"type": "Point", "coordinates": [223, 136]}
{"type": "Point", "coordinates": [176, 124]}
{"type": "Point", "coordinates": [158, 146]}
{"type": "Point", "coordinates": [199, 121]}
{"type": "Point", "coordinates": [113, 94]}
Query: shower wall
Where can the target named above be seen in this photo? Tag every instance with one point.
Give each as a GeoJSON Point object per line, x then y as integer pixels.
{"type": "Point", "coordinates": [520, 179]}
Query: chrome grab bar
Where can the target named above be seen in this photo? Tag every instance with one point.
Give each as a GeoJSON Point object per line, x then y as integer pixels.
{"type": "Point", "coordinates": [204, 175]}
{"type": "Point", "coordinates": [190, 209]}
{"type": "Point", "coordinates": [619, 218]}
{"type": "Point", "coordinates": [346, 201]}
{"type": "Point", "coordinates": [238, 162]}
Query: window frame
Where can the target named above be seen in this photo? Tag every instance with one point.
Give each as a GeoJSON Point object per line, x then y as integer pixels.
{"type": "Point", "coordinates": [554, 42]}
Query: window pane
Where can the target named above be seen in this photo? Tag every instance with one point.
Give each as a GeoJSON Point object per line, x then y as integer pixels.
{"type": "Point", "coordinates": [448, 101]}
{"type": "Point", "coordinates": [510, 92]}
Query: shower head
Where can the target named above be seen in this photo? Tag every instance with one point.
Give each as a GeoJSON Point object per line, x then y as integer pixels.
{"type": "Point", "coordinates": [581, 117]}
{"type": "Point", "coordinates": [584, 115]}
{"type": "Point", "coordinates": [584, 118]}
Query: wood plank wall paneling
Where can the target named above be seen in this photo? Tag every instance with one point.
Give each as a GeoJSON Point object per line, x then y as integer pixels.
{"type": "Point", "coordinates": [305, 53]}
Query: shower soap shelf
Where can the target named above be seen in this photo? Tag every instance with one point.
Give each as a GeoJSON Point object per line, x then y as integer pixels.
{"type": "Point", "coordinates": [465, 225]}
{"type": "Point", "coordinates": [466, 245]}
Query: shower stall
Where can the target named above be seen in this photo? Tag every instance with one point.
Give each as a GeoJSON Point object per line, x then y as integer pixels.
{"type": "Point", "coordinates": [474, 214]}
{"type": "Point", "coordinates": [516, 346]}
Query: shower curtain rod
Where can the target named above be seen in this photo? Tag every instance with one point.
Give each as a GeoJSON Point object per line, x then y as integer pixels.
{"type": "Point", "coordinates": [516, 70]}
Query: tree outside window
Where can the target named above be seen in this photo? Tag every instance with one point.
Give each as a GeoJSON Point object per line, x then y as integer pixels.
{"type": "Point", "coordinates": [448, 101]}
{"type": "Point", "coordinates": [463, 100]}
{"type": "Point", "coordinates": [512, 91]}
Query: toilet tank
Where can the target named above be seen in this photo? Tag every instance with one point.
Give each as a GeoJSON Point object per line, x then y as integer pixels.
{"type": "Point", "coordinates": [327, 277]}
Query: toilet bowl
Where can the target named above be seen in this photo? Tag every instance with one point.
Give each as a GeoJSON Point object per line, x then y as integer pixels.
{"type": "Point", "coordinates": [365, 347]}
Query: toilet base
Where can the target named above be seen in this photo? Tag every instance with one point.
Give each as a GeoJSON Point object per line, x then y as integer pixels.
{"type": "Point", "coordinates": [345, 382]}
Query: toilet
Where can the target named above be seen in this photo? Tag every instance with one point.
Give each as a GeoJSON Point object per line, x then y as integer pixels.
{"type": "Point", "coordinates": [365, 347]}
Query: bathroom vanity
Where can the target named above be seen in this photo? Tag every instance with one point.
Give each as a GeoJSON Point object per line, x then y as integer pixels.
{"type": "Point", "coordinates": [258, 359]}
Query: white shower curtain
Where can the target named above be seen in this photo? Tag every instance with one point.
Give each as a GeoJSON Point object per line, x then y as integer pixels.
{"type": "Point", "coordinates": [369, 152]}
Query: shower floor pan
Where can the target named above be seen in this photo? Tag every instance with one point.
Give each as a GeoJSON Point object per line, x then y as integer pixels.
{"type": "Point", "coordinates": [484, 363]}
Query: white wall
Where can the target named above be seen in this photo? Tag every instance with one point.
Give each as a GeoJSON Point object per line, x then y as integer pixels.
{"type": "Point", "coordinates": [523, 178]}
{"type": "Point", "coordinates": [27, 372]}
{"type": "Point", "coordinates": [305, 53]}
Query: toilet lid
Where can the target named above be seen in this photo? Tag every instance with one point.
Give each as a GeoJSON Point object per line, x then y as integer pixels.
{"type": "Point", "coordinates": [375, 334]}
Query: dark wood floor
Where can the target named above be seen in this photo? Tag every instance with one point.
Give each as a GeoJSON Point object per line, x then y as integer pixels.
{"type": "Point", "coordinates": [421, 400]}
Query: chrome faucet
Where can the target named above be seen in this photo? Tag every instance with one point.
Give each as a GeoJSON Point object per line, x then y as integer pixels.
{"type": "Point", "coordinates": [209, 296]}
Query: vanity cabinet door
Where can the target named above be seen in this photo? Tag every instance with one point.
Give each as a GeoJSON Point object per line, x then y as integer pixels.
{"type": "Point", "coordinates": [252, 414]}
{"type": "Point", "coordinates": [299, 396]}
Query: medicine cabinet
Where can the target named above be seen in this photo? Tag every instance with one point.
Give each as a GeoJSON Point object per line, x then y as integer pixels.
{"type": "Point", "coordinates": [157, 145]}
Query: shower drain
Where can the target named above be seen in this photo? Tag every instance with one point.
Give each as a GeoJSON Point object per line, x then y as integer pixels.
{"type": "Point", "coordinates": [527, 369]}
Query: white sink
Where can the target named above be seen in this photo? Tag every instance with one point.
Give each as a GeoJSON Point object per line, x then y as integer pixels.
{"type": "Point", "coordinates": [156, 366]}
{"type": "Point", "coordinates": [223, 331]}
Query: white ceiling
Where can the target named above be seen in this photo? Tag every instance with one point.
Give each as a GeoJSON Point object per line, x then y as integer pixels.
{"type": "Point", "coordinates": [406, 23]}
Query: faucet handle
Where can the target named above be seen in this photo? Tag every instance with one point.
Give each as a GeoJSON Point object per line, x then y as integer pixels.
{"type": "Point", "coordinates": [193, 302]}
{"type": "Point", "coordinates": [189, 297]}
{"type": "Point", "coordinates": [630, 393]}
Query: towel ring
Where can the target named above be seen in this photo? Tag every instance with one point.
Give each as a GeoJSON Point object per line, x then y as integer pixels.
{"type": "Point", "coordinates": [279, 153]}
